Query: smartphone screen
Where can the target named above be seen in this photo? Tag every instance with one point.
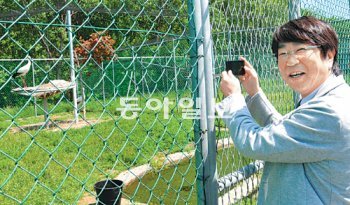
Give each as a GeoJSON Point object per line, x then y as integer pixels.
{"type": "Point", "coordinates": [237, 67]}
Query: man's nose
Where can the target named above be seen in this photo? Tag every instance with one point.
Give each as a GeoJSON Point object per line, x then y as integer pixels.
{"type": "Point", "coordinates": [292, 60]}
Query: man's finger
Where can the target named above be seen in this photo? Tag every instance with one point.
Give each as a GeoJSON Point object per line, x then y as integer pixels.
{"type": "Point", "coordinates": [248, 70]}
{"type": "Point", "coordinates": [242, 77]}
{"type": "Point", "coordinates": [223, 74]}
{"type": "Point", "coordinates": [245, 62]}
{"type": "Point", "coordinates": [229, 73]}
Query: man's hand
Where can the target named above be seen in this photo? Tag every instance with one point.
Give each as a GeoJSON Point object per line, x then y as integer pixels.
{"type": "Point", "coordinates": [229, 83]}
{"type": "Point", "coordinates": [250, 80]}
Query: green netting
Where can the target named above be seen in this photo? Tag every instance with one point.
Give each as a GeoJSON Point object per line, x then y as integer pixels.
{"type": "Point", "coordinates": [57, 139]}
{"type": "Point", "coordinates": [245, 28]}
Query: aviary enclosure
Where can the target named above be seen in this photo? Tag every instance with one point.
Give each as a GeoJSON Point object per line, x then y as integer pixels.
{"type": "Point", "coordinates": [95, 90]}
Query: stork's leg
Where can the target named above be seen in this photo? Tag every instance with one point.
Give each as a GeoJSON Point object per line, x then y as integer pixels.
{"type": "Point", "coordinates": [24, 82]}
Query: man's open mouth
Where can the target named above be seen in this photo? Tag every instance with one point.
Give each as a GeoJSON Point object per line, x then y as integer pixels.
{"type": "Point", "coordinates": [296, 74]}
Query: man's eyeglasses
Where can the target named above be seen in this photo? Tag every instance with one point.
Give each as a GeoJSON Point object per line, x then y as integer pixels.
{"type": "Point", "coordinates": [301, 52]}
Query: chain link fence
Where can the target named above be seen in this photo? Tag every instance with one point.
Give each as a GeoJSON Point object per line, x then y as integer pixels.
{"type": "Point", "coordinates": [122, 90]}
{"type": "Point", "coordinates": [245, 28]}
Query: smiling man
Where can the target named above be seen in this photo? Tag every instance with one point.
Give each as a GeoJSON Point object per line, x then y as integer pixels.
{"type": "Point", "coordinates": [307, 151]}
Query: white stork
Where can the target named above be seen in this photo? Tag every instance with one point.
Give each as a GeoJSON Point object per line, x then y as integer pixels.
{"type": "Point", "coordinates": [22, 71]}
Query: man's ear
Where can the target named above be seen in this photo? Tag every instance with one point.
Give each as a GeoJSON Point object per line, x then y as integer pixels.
{"type": "Point", "coordinates": [330, 57]}
{"type": "Point", "coordinates": [330, 54]}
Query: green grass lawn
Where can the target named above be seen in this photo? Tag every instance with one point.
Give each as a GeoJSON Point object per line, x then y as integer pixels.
{"type": "Point", "coordinates": [59, 166]}
{"type": "Point", "coordinates": [44, 166]}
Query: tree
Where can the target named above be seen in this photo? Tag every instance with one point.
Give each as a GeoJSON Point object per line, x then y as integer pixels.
{"type": "Point", "coordinates": [99, 48]}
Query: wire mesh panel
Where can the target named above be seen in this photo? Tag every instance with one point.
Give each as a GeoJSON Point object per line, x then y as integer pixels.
{"type": "Point", "coordinates": [337, 13]}
{"type": "Point", "coordinates": [245, 28]}
{"type": "Point", "coordinates": [126, 67]}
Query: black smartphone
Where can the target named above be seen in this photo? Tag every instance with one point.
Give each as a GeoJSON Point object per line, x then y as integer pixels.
{"type": "Point", "coordinates": [237, 67]}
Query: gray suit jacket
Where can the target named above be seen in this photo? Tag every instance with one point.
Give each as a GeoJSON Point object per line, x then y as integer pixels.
{"type": "Point", "coordinates": [306, 152]}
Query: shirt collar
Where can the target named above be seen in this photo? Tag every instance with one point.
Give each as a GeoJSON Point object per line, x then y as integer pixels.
{"type": "Point", "coordinates": [313, 93]}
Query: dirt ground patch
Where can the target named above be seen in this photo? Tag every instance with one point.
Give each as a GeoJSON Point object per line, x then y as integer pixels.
{"type": "Point", "coordinates": [57, 125]}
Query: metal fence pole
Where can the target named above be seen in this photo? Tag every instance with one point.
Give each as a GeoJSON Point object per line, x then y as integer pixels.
{"type": "Point", "coordinates": [294, 13]}
{"type": "Point", "coordinates": [198, 89]}
{"type": "Point", "coordinates": [230, 55]}
{"type": "Point", "coordinates": [209, 143]}
{"type": "Point", "coordinates": [103, 82]}
{"type": "Point", "coordinates": [175, 73]}
{"type": "Point", "coordinates": [347, 46]}
{"type": "Point", "coordinates": [72, 73]}
{"type": "Point", "coordinates": [34, 84]}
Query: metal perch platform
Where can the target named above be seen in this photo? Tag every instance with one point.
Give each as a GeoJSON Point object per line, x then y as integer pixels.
{"type": "Point", "coordinates": [45, 91]}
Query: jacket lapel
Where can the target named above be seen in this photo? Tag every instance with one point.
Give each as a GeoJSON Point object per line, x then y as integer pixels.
{"type": "Point", "coordinates": [331, 83]}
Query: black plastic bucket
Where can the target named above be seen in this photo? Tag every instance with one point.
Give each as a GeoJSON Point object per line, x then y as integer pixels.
{"type": "Point", "coordinates": [109, 192]}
